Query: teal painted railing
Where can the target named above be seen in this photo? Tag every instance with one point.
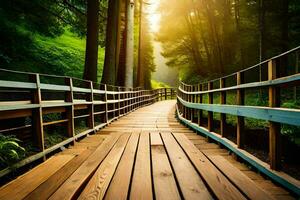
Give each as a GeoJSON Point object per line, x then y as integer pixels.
{"type": "Point", "coordinates": [29, 98]}
{"type": "Point", "coordinates": [274, 75]}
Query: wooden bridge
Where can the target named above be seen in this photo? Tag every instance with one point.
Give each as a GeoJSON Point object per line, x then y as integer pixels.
{"type": "Point", "coordinates": [143, 144]}
{"type": "Point", "coordinates": [143, 155]}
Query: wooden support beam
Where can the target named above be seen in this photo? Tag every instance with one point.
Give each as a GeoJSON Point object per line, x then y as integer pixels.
{"type": "Point", "coordinates": [106, 104]}
{"type": "Point", "coordinates": [193, 101]}
{"type": "Point", "coordinates": [37, 115]}
{"type": "Point", "coordinates": [222, 115]}
{"type": "Point", "coordinates": [119, 103]}
{"type": "Point", "coordinates": [70, 109]}
{"type": "Point", "coordinates": [274, 129]}
{"type": "Point", "coordinates": [200, 112]}
{"type": "Point", "coordinates": [90, 98]}
{"type": "Point", "coordinates": [240, 95]}
{"type": "Point", "coordinates": [210, 118]}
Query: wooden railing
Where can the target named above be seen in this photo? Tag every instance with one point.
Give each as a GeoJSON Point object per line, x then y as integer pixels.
{"type": "Point", "coordinates": [191, 101]}
{"type": "Point", "coordinates": [29, 98]}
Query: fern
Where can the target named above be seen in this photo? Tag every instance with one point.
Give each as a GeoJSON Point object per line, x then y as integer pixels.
{"type": "Point", "coordinates": [10, 150]}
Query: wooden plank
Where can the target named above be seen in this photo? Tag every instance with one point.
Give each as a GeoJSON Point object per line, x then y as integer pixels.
{"type": "Point", "coordinates": [281, 115]}
{"type": "Point", "coordinates": [287, 80]}
{"type": "Point", "coordinates": [280, 178]}
{"type": "Point", "coordinates": [141, 184]}
{"type": "Point", "coordinates": [37, 115]}
{"type": "Point", "coordinates": [155, 138]}
{"type": "Point", "coordinates": [119, 186]}
{"type": "Point", "coordinates": [240, 99]}
{"type": "Point", "coordinates": [69, 189]}
{"type": "Point", "coordinates": [222, 115]}
{"type": "Point", "coordinates": [97, 186]}
{"type": "Point", "coordinates": [210, 120]}
{"type": "Point", "coordinates": [218, 183]}
{"type": "Point", "coordinates": [23, 185]}
{"type": "Point", "coordinates": [243, 182]}
{"type": "Point", "coordinates": [163, 178]}
{"type": "Point", "coordinates": [52, 183]}
{"type": "Point", "coordinates": [191, 185]}
{"type": "Point", "coordinates": [274, 130]}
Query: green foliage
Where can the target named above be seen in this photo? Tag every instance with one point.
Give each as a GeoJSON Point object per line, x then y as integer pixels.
{"type": "Point", "coordinates": [208, 39]}
{"type": "Point", "coordinates": [155, 84]}
{"type": "Point", "coordinates": [10, 150]}
{"type": "Point", "coordinates": [293, 132]}
{"type": "Point", "coordinates": [46, 36]}
{"type": "Point", "coordinates": [54, 136]}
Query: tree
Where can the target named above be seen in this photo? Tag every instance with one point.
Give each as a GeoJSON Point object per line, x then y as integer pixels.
{"type": "Point", "coordinates": [140, 70]}
{"type": "Point", "coordinates": [129, 43]}
{"type": "Point", "coordinates": [112, 44]}
{"type": "Point", "coordinates": [91, 54]}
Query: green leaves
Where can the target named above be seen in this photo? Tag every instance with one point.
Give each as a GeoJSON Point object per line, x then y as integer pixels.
{"type": "Point", "coordinates": [10, 150]}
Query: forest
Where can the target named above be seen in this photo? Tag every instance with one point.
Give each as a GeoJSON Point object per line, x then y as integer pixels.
{"type": "Point", "coordinates": [138, 46]}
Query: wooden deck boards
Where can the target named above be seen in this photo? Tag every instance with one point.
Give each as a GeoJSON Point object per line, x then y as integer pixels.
{"type": "Point", "coordinates": [144, 155]}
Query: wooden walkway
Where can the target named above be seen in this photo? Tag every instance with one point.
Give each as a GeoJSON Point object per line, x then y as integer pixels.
{"type": "Point", "coordinates": [144, 155]}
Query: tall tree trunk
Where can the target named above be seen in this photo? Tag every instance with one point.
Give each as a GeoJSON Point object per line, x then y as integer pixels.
{"type": "Point", "coordinates": [112, 45]}
{"type": "Point", "coordinates": [140, 70]}
{"type": "Point", "coordinates": [238, 30]}
{"type": "Point", "coordinates": [129, 43]}
{"type": "Point", "coordinates": [284, 15]}
{"type": "Point", "coordinates": [204, 41]}
{"type": "Point", "coordinates": [91, 53]}
{"type": "Point", "coordinates": [194, 44]}
{"type": "Point", "coordinates": [262, 24]}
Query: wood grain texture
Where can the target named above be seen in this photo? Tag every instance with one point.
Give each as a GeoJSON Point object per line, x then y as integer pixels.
{"type": "Point", "coordinates": [218, 183]}
{"type": "Point", "coordinates": [97, 186]}
{"type": "Point", "coordinates": [141, 185]}
{"type": "Point", "coordinates": [22, 186]}
{"type": "Point", "coordinates": [72, 185]}
{"type": "Point", "coordinates": [191, 184]}
{"type": "Point", "coordinates": [119, 186]}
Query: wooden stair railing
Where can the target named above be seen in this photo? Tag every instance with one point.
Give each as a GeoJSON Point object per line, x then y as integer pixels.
{"type": "Point", "coordinates": [31, 97]}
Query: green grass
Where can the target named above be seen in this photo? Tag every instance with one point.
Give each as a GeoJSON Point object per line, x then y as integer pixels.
{"type": "Point", "coordinates": [62, 55]}
{"type": "Point", "coordinates": [65, 53]}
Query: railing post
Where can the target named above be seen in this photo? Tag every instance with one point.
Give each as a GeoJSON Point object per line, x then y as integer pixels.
{"type": "Point", "coordinates": [106, 103]}
{"type": "Point", "coordinates": [240, 135]}
{"type": "Point", "coordinates": [296, 72]}
{"type": "Point", "coordinates": [37, 115]}
{"type": "Point", "coordinates": [210, 119]}
{"type": "Point", "coordinates": [200, 111]}
{"type": "Point", "coordinates": [90, 98]}
{"type": "Point", "coordinates": [192, 101]}
{"type": "Point", "coordinates": [119, 102]}
{"type": "Point", "coordinates": [166, 94]}
{"type": "Point", "coordinates": [274, 129]}
{"type": "Point", "coordinates": [222, 115]}
{"type": "Point", "coordinates": [189, 100]}
{"type": "Point", "coordinates": [70, 110]}
{"type": "Point", "coordinates": [184, 98]}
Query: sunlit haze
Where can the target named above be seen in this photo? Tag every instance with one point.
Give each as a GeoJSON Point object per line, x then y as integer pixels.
{"type": "Point", "coordinates": [153, 15]}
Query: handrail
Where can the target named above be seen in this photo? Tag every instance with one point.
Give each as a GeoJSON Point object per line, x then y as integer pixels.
{"type": "Point", "coordinates": [190, 107]}
{"type": "Point", "coordinates": [95, 105]}
{"type": "Point", "coordinates": [190, 99]}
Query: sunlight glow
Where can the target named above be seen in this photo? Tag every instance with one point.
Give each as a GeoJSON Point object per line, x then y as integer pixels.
{"type": "Point", "coordinates": [153, 16]}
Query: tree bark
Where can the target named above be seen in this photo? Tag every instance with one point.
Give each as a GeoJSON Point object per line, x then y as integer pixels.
{"type": "Point", "coordinates": [140, 71]}
{"type": "Point", "coordinates": [129, 43]}
{"type": "Point", "coordinates": [238, 30]}
{"type": "Point", "coordinates": [91, 53]}
{"type": "Point", "coordinates": [112, 43]}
